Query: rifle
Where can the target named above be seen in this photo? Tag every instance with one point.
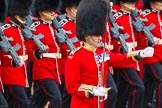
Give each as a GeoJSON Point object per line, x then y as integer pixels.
{"type": "Point", "coordinates": [7, 48]}
{"type": "Point", "coordinates": [115, 31]}
{"type": "Point", "coordinates": [61, 35]}
{"type": "Point", "coordinates": [140, 27]}
{"type": "Point", "coordinates": [27, 33]}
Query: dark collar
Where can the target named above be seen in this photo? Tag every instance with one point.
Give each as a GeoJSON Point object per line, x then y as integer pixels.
{"type": "Point", "coordinates": [44, 22]}
{"type": "Point", "coordinates": [124, 12]}
{"type": "Point", "coordinates": [70, 19]}
{"type": "Point", "coordinates": [155, 11]}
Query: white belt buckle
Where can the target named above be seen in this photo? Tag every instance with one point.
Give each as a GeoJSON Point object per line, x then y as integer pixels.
{"type": "Point", "coordinates": [58, 55]}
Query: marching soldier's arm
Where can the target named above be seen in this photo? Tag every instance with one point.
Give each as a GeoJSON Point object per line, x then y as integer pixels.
{"type": "Point", "coordinates": [116, 60]}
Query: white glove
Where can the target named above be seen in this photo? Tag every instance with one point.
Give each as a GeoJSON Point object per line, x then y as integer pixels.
{"type": "Point", "coordinates": [147, 52]}
{"type": "Point", "coordinates": [99, 91]}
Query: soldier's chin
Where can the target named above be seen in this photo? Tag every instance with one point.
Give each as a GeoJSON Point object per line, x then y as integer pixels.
{"type": "Point", "coordinates": [21, 20]}
{"type": "Point", "coordinates": [98, 45]}
{"type": "Point", "coordinates": [51, 18]}
{"type": "Point", "coordinates": [161, 9]}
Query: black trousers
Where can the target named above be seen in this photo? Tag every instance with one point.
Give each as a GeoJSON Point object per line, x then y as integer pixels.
{"type": "Point", "coordinates": [66, 98]}
{"type": "Point", "coordinates": [153, 81]}
{"type": "Point", "coordinates": [46, 90]}
{"type": "Point", "coordinates": [112, 95]}
{"type": "Point", "coordinates": [16, 96]}
{"type": "Point", "coordinates": [3, 103]}
{"type": "Point", "coordinates": [130, 89]}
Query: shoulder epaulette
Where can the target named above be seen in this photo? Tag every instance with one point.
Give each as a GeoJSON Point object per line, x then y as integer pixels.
{"type": "Point", "coordinates": [145, 12]}
{"type": "Point", "coordinates": [74, 51]}
{"type": "Point", "coordinates": [5, 26]}
{"type": "Point", "coordinates": [35, 24]}
{"type": "Point", "coordinates": [70, 56]}
{"type": "Point", "coordinates": [117, 15]}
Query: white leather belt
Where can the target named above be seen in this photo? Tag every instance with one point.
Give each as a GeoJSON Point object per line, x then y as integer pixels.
{"type": "Point", "coordinates": [131, 44]}
{"type": "Point", "coordinates": [52, 55]}
{"type": "Point", "coordinates": [22, 57]}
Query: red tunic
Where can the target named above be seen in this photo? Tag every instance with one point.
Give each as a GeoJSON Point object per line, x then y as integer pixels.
{"type": "Point", "coordinates": [131, 41]}
{"type": "Point", "coordinates": [47, 67]}
{"type": "Point", "coordinates": [82, 67]}
{"type": "Point", "coordinates": [155, 18]}
{"type": "Point", "coordinates": [68, 24]}
{"type": "Point", "coordinates": [14, 75]}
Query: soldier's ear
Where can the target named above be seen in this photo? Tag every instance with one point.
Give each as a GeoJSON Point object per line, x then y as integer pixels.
{"type": "Point", "coordinates": [67, 10]}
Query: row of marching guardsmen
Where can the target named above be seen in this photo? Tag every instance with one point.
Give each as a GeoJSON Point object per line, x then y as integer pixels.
{"type": "Point", "coordinates": [81, 53]}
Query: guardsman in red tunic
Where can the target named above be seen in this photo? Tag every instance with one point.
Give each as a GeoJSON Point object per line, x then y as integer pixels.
{"type": "Point", "coordinates": [46, 66]}
{"type": "Point", "coordinates": [14, 76]}
{"type": "Point", "coordinates": [3, 13]}
{"type": "Point", "coordinates": [111, 101]}
{"type": "Point", "coordinates": [67, 20]}
{"type": "Point", "coordinates": [86, 68]}
{"type": "Point", "coordinates": [152, 66]}
{"type": "Point", "coordinates": [128, 80]}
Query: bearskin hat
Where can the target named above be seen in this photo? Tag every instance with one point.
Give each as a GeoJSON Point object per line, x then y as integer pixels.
{"type": "Point", "coordinates": [42, 5]}
{"type": "Point", "coordinates": [91, 18]}
{"type": "Point", "coordinates": [19, 7]}
{"type": "Point", "coordinates": [146, 3]}
{"type": "Point", "coordinates": [3, 10]}
{"type": "Point", "coordinates": [125, 1]}
{"type": "Point", "coordinates": [68, 3]}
